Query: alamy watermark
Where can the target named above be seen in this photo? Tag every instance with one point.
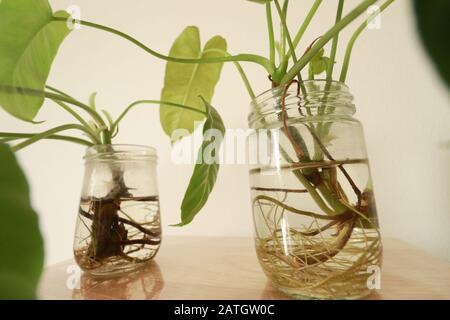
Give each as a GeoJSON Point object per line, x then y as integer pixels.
{"type": "Point", "coordinates": [73, 22]}
{"type": "Point", "coordinates": [374, 279]}
{"type": "Point", "coordinates": [374, 21]}
{"type": "Point", "coordinates": [237, 146]}
{"type": "Point", "coordinates": [74, 279]}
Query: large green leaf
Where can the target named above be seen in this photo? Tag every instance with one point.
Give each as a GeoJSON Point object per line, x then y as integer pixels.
{"type": "Point", "coordinates": [185, 82]}
{"type": "Point", "coordinates": [206, 169]}
{"type": "Point", "coordinates": [29, 41]}
{"type": "Point", "coordinates": [21, 245]}
{"type": "Point", "coordinates": [433, 20]}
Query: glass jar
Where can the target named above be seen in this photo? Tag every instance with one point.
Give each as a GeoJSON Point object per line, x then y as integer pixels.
{"type": "Point", "coordinates": [316, 227]}
{"type": "Point", "coordinates": [118, 227]}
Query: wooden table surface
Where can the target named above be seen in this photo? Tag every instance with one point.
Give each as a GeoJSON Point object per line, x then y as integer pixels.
{"type": "Point", "coordinates": [189, 268]}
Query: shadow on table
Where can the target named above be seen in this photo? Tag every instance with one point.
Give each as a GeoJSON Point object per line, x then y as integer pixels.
{"type": "Point", "coordinates": [145, 283]}
{"type": "Point", "coordinates": [271, 293]}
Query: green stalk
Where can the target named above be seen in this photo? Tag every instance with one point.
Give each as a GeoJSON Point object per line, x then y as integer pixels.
{"type": "Point", "coordinates": [308, 186]}
{"type": "Point", "coordinates": [270, 32]}
{"type": "Point", "coordinates": [244, 77]}
{"type": "Point", "coordinates": [297, 211]}
{"type": "Point", "coordinates": [176, 105]}
{"type": "Point", "coordinates": [355, 13]}
{"type": "Point", "coordinates": [106, 135]}
{"type": "Point", "coordinates": [240, 70]}
{"type": "Point", "coordinates": [286, 31]}
{"type": "Point", "coordinates": [306, 22]}
{"type": "Point", "coordinates": [58, 91]}
{"type": "Point", "coordinates": [49, 133]}
{"type": "Point", "coordinates": [95, 115]}
{"type": "Point", "coordinates": [292, 53]}
{"type": "Point", "coordinates": [335, 42]}
{"type": "Point", "coordinates": [75, 115]}
{"type": "Point", "coordinates": [54, 96]}
{"type": "Point", "coordinates": [264, 62]}
{"type": "Point", "coordinates": [11, 136]}
{"type": "Point", "coordinates": [355, 36]}
{"type": "Point", "coordinates": [283, 34]}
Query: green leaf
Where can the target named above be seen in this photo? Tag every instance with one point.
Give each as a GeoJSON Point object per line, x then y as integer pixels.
{"type": "Point", "coordinates": [29, 41]}
{"type": "Point", "coordinates": [206, 169]}
{"type": "Point", "coordinates": [185, 82]}
{"type": "Point", "coordinates": [319, 63]}
{"type": "Point", "coordinates": [21, 244]}
{"type": "Point", "coordinates": [433, 23]}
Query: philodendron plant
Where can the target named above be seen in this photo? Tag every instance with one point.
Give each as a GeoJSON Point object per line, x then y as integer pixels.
{"type": "Point", "coordinates": [31, 34]}
{"type": "Point", "coordinates": [30, 37]}
{"type": "Point", "coordinates": [29, 47]}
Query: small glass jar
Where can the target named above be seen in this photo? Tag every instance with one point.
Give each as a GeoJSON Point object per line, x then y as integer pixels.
{"type": "Point", "coordinates": [316, 227]}
{"type": "Point", "coordinates": [118, 226]}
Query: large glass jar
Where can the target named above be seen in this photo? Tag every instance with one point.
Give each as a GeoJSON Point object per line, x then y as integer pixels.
{"type": "Point", "coordinates": [118, 227]}
{"type": "Point", "coordinates": [316, 228]}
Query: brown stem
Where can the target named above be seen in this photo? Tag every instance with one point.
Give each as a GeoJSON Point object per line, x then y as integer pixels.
{"type": "Point", "coordinates": [342, 237]}
{"type": "Point", "coordinates": [140, 241]}
{"type": "Point", "coordinates": [298, 150]}
{"type": "Point", "coordinates": [340, 166]}
{"type": "Point", "coordinates": [296, 146]}
{"type": "Point", "coordinates": [315, 232]}
{"type": "Point", "coordinates": [125, 221]}
{"type": "Point", "coordinates": [280, 190]}
{"type": "Point", "coordinates": [139, 199]}
{"type": "Point", "coordinates": [311, 45]}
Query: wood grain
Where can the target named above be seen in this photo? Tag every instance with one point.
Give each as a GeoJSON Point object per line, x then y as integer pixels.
{"type": "Point", "coordinates": [190, 268]}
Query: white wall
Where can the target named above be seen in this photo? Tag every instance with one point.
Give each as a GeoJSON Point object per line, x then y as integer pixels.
{"type": "Point", "coordinates": [401, 102]}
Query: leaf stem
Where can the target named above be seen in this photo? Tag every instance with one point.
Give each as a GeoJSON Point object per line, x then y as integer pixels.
{"type": "Point", "coordinates": [270, 31]}
{"type": "Point", "coordinates": [286, 31]}
{"type": "Point", "coordinates": [240, 70]}
{"type": "Point", "coordinates": [58, 91]}
{"type": "Point", "coordinates": [63, 98]}
{"type": "Point", "coordinates": [355, 13]}
{"type": "Point", "coordinates": [264, 62]}
{"type": "Point", "coordinates": [49, 133]}
{"type": "Point", "coordinates": [335, 43]}
{"type": "Point", "coordinates": [136, 103]}
{"type": "Point", "coordinates": [73, 113]}
{"type": "Point", "coordinates": [10, 136]}
{"type": "Point", "coordinates": [54, 96]}
{"type": "Point", "coordinates": [298, 211]}
{"type": "Point", "coordinates": [292, 53]}
{"type": "Point", "coordinates": [306, 22]}
{"type": "Point", "coordinates": [355, 36]}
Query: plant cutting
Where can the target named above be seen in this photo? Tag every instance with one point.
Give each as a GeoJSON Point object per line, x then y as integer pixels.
{"type": "Point", "coordinates": [118, 225]}
{"type": "Point", "coordinates": [316, 226]}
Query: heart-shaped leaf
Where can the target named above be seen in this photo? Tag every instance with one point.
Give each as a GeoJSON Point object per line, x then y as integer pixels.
{"type": "Point", "coordinates": [21, 245]}
{"type": "Point", "coordinates": [433, 23]}
{"type": "Point", "coordinates": [207, 167]}
{"type": "Point", "coordinates": [29, 41]}
{"type": "Point", "coordinates": [319, 63]}
{"type": "Point", "coordinates": [185, 82]}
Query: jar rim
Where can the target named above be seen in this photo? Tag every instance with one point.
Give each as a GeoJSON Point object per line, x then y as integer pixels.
{"type": "Point", "coordinates": [313, 99]}
{"type": "Point", "coordinates": [276, 91]}
{"type": "Point", "coordinates": [118, 152]}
